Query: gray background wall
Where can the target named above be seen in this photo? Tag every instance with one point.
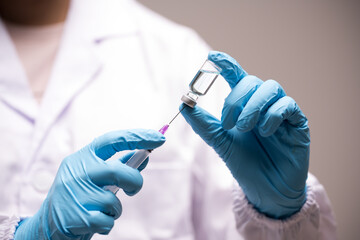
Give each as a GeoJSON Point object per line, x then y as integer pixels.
{"type": "Point", "coordinates": [312, 47]}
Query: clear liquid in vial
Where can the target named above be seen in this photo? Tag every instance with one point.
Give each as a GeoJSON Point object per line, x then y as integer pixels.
{"type": "Point", "coordinates": [203, 81]}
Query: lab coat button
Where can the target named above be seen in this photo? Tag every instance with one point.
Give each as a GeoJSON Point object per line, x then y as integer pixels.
{"type": "Point", "coordinates": [42, 180]}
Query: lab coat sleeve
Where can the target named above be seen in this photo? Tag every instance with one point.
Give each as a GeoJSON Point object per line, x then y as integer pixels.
{"type": "Point", "coordinates": [315, 220]}
{"type": "Point", "coordinates": [8, 226]}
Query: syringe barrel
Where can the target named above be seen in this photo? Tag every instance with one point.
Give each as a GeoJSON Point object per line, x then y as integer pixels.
{"type": "Point", "coordinates": [135, 161]}
{"type": "Point", "coordinates": [138, 158]}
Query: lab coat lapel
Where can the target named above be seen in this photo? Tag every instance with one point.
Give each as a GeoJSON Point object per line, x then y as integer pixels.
{"type": "Point", "coordinates": [77, 63]}
{"type": "Point", "coordinates": [15, 91]}
{"type": "Point", "coordinates": [75, 67]}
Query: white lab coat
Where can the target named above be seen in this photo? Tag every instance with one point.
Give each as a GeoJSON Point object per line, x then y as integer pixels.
{"type": "Point", "coordinates": [121, 66]}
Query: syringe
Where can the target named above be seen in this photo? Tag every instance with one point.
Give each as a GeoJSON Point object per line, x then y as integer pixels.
{"type": "Point", "coordinates": [140, 155]}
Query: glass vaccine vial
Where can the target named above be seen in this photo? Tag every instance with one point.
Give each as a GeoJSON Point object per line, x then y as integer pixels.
{"type": "Point", "coordinates": [201, 83]}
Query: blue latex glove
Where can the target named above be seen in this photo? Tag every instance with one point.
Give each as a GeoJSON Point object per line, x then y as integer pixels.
{"type": "Point", "coordinates": [263, 137]}
{"type": "Point", "coordinates": [76, 206]}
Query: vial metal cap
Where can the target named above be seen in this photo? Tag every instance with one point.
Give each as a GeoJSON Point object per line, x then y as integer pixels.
{"type": "Point", "coordinates": [189, 99]}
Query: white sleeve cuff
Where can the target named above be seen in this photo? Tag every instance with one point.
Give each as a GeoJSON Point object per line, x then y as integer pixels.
{"type": "Point", "coordinates": [252, 224]}
{"type": "Point", "coordinates": [8, 226]}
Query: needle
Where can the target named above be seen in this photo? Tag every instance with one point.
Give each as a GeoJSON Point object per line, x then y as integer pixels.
{"type": "Point", "coordinates": [166, 126]}
{"type": "Point", "coordinates": [177, 114]}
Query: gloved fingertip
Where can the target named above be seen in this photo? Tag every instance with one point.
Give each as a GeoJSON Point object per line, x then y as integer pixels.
{"type": "Point", "coordinates": [108, 144]}
{"type": "Point", "coordinates": [230, 68]}
{"type": "Point", "coordinates": [162, 139]}
{"type": "Point", "coordinates": [215, 55]}
{"type": "Point", "coordinates": [143, 165]}
{"type": "Point", "coordinates": [187, 112]}
{"type": "Point", "coordinates": [158, 135]}
{"type": "Point", "coordinates": [130, 193]}
{"type": "Point", "coordinates": [152, 140]}
{"type": "Point", "coordinates": [199, 118]}
{"type": "Point", "coordinates": [183, 106]}
{"type": "Point", "coordinates": [129, 179]}
{"type": "Point", "coordinates": [126, 157]}
{"type": "Point", "coordinates": [244, 125]}
{"type": "Point", "coordinates": [105, 232]}
{"type": "Point", "coordinates": [135, 188]}
{"type": "Point", "coordinates": [118, 212]}
{"type": "Point", "coordinates": [207, 126]}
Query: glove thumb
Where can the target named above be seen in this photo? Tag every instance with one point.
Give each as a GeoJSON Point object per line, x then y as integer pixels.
{"type": "Point", "coordinates": [208, 127]}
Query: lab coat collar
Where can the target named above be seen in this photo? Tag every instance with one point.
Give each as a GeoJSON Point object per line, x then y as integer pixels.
{"type": "Point", "coordinates": [15, 90]}
{"type": "Point", "coordinates": [108, 19]}
{"type": "Point", "coordinates": [89, 22]}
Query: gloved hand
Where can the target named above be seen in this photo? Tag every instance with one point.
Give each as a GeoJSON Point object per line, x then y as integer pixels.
{"type": "Point", "coordinates": [76, 206]}
{"type": "Point", "coordinates": [263, 137]}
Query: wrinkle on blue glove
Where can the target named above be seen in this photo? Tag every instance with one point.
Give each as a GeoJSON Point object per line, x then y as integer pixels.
{"type": "Point", "coordinates": [266, 95]}
{"type": "Point", "coordinates": [230, 68]}
{"type": "Point", "coordinates": [284, 109]}
{"type": "Point", "coordinates": [236, 101]}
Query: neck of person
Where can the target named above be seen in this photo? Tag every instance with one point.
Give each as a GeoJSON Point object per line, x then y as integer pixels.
{"type": "Point", "coordinates": [34, 12]}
